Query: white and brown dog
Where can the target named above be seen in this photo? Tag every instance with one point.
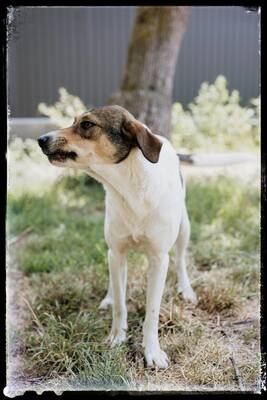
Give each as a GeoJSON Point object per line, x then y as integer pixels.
{"type": "Point", "coordinates": [145, 207]}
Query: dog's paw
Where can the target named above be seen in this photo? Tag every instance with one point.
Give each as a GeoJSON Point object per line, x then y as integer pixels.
{"type": "Point", "coordinates": [105, 303]}
{"type": "Point", "coordinates": [155, 357]}
{"type": "Point", "coordinates": [188, 294]}
{"type": "Point", "coordinates": [116, 337]}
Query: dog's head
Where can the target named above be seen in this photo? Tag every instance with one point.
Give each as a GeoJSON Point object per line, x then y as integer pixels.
{"type": "Point", "coordinates": [101, 135]}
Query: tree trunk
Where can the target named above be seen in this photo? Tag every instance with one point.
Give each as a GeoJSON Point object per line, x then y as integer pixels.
{"type": "Point", "coordinates": [146, 89]}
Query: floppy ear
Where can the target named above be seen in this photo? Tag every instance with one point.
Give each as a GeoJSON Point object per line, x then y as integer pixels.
{"type": "Point", "coordinates": [148, 143]}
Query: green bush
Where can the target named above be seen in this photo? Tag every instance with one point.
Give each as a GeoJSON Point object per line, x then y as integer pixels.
{"type": "Point", "coordinates": [216, 120]}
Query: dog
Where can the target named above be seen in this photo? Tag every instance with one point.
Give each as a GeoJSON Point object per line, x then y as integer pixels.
{"type": "Point", "coordinates": [144, 208]}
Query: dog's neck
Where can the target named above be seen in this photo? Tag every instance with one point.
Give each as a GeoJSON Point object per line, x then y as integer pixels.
{"type": "Point", "coordinates": [131, 181]}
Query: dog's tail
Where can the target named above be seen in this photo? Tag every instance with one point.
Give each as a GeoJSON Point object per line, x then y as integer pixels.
{"type": "Point", "coordinates": [215, 159]}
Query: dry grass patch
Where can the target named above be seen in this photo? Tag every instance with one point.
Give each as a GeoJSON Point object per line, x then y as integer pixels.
{"type": "Point", "coordinates": [217, 299]}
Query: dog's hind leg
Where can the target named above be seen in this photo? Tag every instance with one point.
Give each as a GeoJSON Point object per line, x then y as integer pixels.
{"type": "Point", "coordinates": [184, 285]}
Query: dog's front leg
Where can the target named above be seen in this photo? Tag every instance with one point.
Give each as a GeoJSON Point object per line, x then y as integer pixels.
{"type": "Point", "coordinates": [117, 268]}
{"type": "Point", "coordinates": [157, 272]}
{"type": "Point", "coordinates": [108, 299]}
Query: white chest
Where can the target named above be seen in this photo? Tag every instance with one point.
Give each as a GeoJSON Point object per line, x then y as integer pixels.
{"type": "Point", "coordinates": [129, 220]}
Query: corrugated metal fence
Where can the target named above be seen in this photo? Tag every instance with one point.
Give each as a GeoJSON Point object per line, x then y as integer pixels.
{"type": "Point", "coordinates": [84, 49]}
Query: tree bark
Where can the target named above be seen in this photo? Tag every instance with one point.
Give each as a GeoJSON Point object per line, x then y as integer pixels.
{"type": "Point", "coordinates": [146, 89]}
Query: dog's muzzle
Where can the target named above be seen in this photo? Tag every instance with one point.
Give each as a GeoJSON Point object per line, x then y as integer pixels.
{"type": "Point", "coordinates": [52, 151]}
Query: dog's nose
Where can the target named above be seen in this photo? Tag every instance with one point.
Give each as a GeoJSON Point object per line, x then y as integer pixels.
{"type": "Point", "coordinates": [42, 140]}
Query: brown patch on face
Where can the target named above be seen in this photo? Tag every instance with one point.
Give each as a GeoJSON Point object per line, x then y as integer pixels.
{"type": "Point", "coordinates": [110, 143]}
{"type": "Point", "coordinates": [105, 149]}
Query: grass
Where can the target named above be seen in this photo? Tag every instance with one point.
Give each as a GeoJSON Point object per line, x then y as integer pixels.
{"type": "Point", "coordinates": [63, 260]}
{"type": "Point", "coordinates": [62, 227]}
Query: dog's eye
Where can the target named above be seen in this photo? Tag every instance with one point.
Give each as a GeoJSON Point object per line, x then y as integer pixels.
{"type": "Point", "coordinates": [86, 125]}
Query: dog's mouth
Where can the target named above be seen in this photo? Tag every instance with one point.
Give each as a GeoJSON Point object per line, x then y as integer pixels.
{"type": "Point", "coordinates": [61, 156]}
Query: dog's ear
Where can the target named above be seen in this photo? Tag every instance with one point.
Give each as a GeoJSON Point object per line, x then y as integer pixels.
{"type": "Point", "coordinates": [148, 143]}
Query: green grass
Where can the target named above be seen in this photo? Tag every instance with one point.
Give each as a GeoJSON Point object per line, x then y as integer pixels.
{"type": "Point", "coordinates": [64, 260]}
{"type": "Point", "coordinates": [67, 227]}
{"type": "Point", "coordinates": [224, 215]}
{"type": "Point", "coordinates": [73, 346]}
